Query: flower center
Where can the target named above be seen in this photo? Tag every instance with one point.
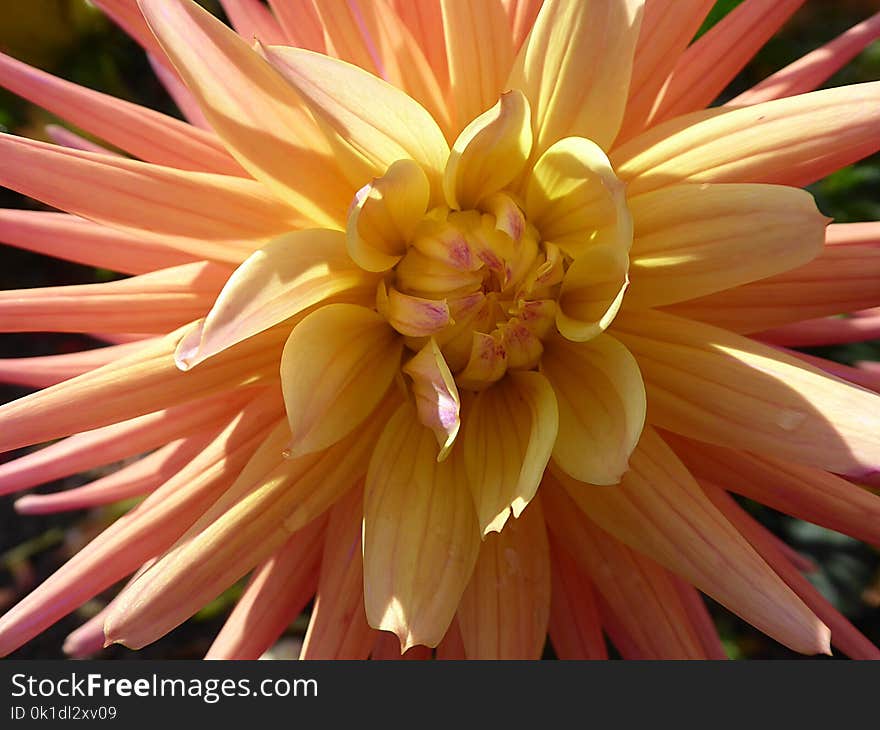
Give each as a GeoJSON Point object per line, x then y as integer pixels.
{"type": "Point", "coordinates": [482, 284]}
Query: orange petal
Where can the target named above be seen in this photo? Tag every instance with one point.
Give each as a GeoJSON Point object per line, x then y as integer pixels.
{"type": "Point", "coordinates": [642, 597]}
{"type": "Point", "coordinates": [337, 364]}
{"type": "Point", "coordinates": [667, 29]}
{"type": "Point", "coordinates": [148, 303]}
{"type": "Point", "coordinates": [479, 54]}
{"type": "Point", "coordinates": [659, 510]}
{"type": "Point", "coordinates": [575, 628]}
{"type": "Point", "coordinates": [842, 278]}
{"type": "Point", "coordinates": [521, 14]}
{"type": "Point", "coordinates": [693, 240]}
{"type": "Point", "coordinates": [275, 595]}
{"type": "Point", "coordinates": [791, 141]}
{"type": "Point", "coordinates": [263, 122]}
{"type": "Point", "coordinates": [802, 491]}
{"type": "Point", "coordinates": [509, 434]}
{"type": "Point", "coordinates": [601, 407]}
{"type": "Point", "coordinates": [142, 132]}
{"type": "Point", "coordinates": [300, 22]}
{"type": "Point", "coordinates": [338, 627]}
{"type": "Point", "coordinates": [715, 386]}
{"type": "Point", "coordinates": [575, 68]}
{"type": "Point", "coordinates": [421, 537]}
{"type": "Point", "coordinates": [252, 20]}
{"type": "Point", "coordinates": [137, 195]}
{"type": "Point", "coordinates": [284, 278]}
{"type": "Point", "coordinates": [369, 123]}
{"type": "Point", "coordinates": [505, 608]}
{"type": "Point", "coordinates": [704, 70]}
{"type": "Point", "coordinates": [813, 69]}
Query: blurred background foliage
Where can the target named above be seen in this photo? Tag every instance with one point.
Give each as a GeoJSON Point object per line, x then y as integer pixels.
{"type": "Point", "coordinates": [71, 39]}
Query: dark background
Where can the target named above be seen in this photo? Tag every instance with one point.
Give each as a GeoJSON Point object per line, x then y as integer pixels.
{"type": "Point", "coordinates": [72, 40]}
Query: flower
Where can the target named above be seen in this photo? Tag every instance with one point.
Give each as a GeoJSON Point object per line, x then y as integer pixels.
{"type": "Point", "coordinates": [443, 317]}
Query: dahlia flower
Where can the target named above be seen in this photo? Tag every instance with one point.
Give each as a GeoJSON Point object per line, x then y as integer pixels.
{"type": "Point", "coordinates": [462, 318]}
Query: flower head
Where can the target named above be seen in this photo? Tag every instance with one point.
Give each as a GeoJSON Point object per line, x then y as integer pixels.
{"type": "Point", "coordinates": [444, 316]}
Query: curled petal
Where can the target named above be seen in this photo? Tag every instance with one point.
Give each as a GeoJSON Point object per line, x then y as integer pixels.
{"type": "Point", "coordinates": [602, 406]}
{"type": "Point", "coordinates": [421, 537]}
{"type": "Point", "coordinates": [414, 316]}
{"type": "Point", "coordinates": [337, 364]}
{"type": "Point", "coordinates": [384, 216]}
{"type": "Point", "coordinates": [437, 400]}
{"type": "Point", "coordinates": [509, 434]}
{"type": "Point", "coordinates": [489, 153]}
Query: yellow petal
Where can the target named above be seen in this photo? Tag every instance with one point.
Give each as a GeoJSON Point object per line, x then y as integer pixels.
{"type": "Point", "coordinates": [478, 53]}
{"type": "Point", "coordinates": [601, 406]}
{"type": "Point", "coordinates": [508, 436]}
{"type": "Point", "coordinates": [660, 510]}
{"type": "Point", "coordinates": [715, 386]}
{"type": "Point", "coordinates": [369, 122]}
{"type": "Point", "coordinates": [792, 141]}
{"type": "Point", "coordinates": [575, 68]}
{"type": "Point", "coordinates": [436, 395]}
{"type": "Point", "coordinates": [338, 627]}
{"type": "Point", "coordinates": [505, 609]}
{"type": "Point", "coordinates": [490, 152]}
{"type": "Point", "coordinates": [264, 123]}
{"type": "Point", "coordinates": [282, 279]}
{"type": "Point", "coordinates": [385, 214]}
{"type": "Point", "coordinates": [575, 200]}
{"type": "Point", "coordinates": [421, 537]}
{"type": "Point", "coordinates": [693, 240]}
{"type": "Point", "coordinates": [592, 292]}
{"type": "Point", "coordinates": [336, 366]}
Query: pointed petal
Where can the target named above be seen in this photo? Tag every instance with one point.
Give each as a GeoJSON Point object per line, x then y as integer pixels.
{"type": "Point", "coordinates": [75, 239]}
{"type": "Point", "coordinates": [812, 70]}
{"type": "Point", "coordinates": [369, 123]}
{"type": "Point", "coordinates": [275, 595]}
{"type": "Point", "coordinates": [140, 131]}
{"type": "Point", "coordinates": [693, 240]}
{"type": "Point", "coordinates": [592, 292]}
{"type": "Point", "coordinates": [843, 634]}
{"type": "Point", "coordinates": [285, 277]}
{"type": "Point", "coordinates": [141, 383]}
{"type": "Point", "coordinates": [338, 627]}
{"type": "Point", "coordinates": [150, 303]}
{"type": "Point", "coordinates": [505, 608]}
{"type": "Point", "coordinates": [575, 627]}
{"type": "Point", "coordinates": [638, 599]}
{"type": "Point", "coordinates": [602, 405]}
{"type": "Point", "coordinates": [241, 529]}
{"type": "Point", "coordinates": [715, 386]}
{"type": "Point", "coordinates": [126, 193]}
{"type": "Point", "coordinates": [489, 153]}
{"type": "Point", "coordinates": [263, 122]}
{"type": "Point", "coordinates": [801, 491]}
{"type": "Point", "coordinates": [575, 69]}
{"type": "Point", "coordinates": [659, 510]}
{"type": "Point", "coordinates": [141, 534]}
{"type": "Point", "coordinates": [508, 436]}
{"type": "Point", "coordinates": [667, 29]}
{"type": "Point", "coordinates": [337, 364]}
{"type": "Point", "coordinates": [64, 137]}
{"type": "Point", "coordinates": [791, 141]}
{"type": "Point", "coordinates": [860, 327]}
{"type": "Point", "coordinates": [421, 537]}
{"type": "Point", "coordinates": [479, 53]}
{"type": "Point", "coordinates": [436, 395]}
{"type": "Point", "coordinates": [713, 60]}
{"type": "Point", "coordinates": [842, 278]}
{"type": "Point", "coordinates": [384, 215]}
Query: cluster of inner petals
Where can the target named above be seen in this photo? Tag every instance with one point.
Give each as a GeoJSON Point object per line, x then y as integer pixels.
{"type": "Point", "coordinates": [479, 282]}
